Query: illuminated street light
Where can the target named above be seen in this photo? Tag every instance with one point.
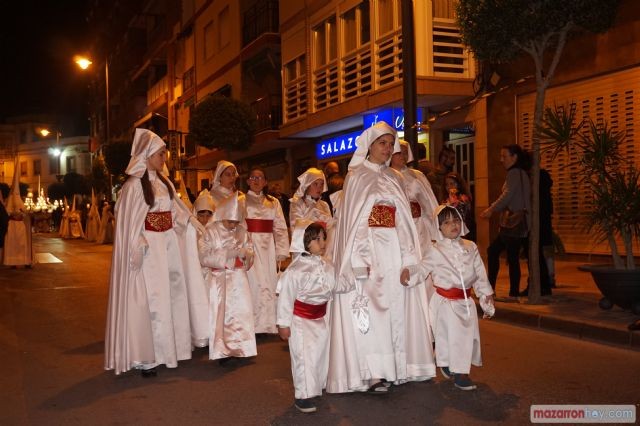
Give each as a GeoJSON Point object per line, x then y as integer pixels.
{"type": "Point", "coordinates": [84, 63]}
{"type": "Point", "coordinates": [56, 152]}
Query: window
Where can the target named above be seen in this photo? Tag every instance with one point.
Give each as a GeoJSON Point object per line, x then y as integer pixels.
{"type": "Point", "coordinates": [53, 165]}
{"type": "Point", "coordinates": [294, 69]}
{"type": "Point", "coordinates": [356, 27]}
{"type": "Point", "coordinates": [71, 165]}
{"type": "Point", "coordinates": [208, 40]}
{"type": "Point", "coordinates": [388, 16]}
{"type": "Point", "coordinates": [37, 167]}
{"type": "Point", "coordinates": [224, 29]}
{"type": "Point", "coordinates": [325, 42]}
{"type": "Point", "coordinates": [23, 168]}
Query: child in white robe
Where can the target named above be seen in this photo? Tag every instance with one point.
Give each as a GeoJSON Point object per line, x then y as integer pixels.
{"type": "Point", "coordinates": [225, 254]}
{"type": "Point", "coordinates": [455, 266]}
{"type": "Point", "coordinates": [304, 290]}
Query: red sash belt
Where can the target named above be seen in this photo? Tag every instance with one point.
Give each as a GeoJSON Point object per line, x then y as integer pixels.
{"type": "Point", "coordinates": [309, 311]}
{"type": "Point", "coordinates": [382, 216]}
{"type": "Point", "coordinates": [15, 218]}
{"type": "Point", "coordinates": [323, 224]}
{"type": "Point", "coordinates": [452, 293]}
{"type": "Point", "coordinates": [416, 210]}
{"type": "Point", "coordinates": [158, 221]}
{"type": "Point", "coordinates": [238, 264]}
{"type": "Point", "coordinates": [260, 225]}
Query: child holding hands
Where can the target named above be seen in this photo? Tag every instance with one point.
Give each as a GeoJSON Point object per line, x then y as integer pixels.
{"type": "Point", "coordinates": [304, 290]}
{"type": "Point", "coordinates": [455, 266]}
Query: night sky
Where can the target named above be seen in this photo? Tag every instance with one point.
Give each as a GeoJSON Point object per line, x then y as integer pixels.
{"type": "Point", "coordinates": [38, 40]}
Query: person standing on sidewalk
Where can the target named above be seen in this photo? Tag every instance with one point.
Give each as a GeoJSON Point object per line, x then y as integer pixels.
{"type": "Point", "coordinates": [148, 311]}
{"type": "Point", "coordinates": [268, 231]}
{"type": "Point", "coordinates": [456, 267]}
{"type": "Point", "coordinates": [515, 197]}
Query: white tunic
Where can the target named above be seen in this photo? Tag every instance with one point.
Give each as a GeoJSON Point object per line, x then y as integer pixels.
{"type": "Point", "coordinates": [18, 247]}
{"type": "Point", "coordinates": [419, 191]}
{"type": "Point", "coordinates": [230, 306]}
{"type": "Point", "coordinates": [397, 346]}
{"type": "Point", "coordinates": [308, 208]}
{"type": "Point", "coordinates": [93, 224]}
{"type": "Point", "coordinates": [267, 247]}
{"type": "Point", "coordinates": [148, 313]}
{"type": "Point", "coordinates": [456, 333]}
{"type": "Point", "coordinates": [309, 279]}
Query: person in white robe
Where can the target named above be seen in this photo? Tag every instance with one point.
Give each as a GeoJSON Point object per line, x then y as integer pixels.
{"type": "Point", "coordinates": [306, 202]}
{"type": "Point", "coordinates": [64, 221]}
{"type": "Point", "coordinates": [223, 184]}
{"type": "Point", "coordinates": [270, 237]}
{"type": "Point", "coordinates": [73, 228]}
{"type": "Point", "coordinates": [226, 253]}
{"type": "Point", "coordinates": [421, 198]}
{"type": "Point", "coordinates": [18, 247]}
{"type": "Point", "coordinates": [93, 220]}
{"type": "Point", "coordinates": [456, 267]}
{"type": "Point", "coordinates": [304, 290]}
{"type": "Point", "coordinates": [148, 311]}
{"type": "Point", "coordinates": [107, 225]}
{"type": "Point", "coordinates": [380, 329]}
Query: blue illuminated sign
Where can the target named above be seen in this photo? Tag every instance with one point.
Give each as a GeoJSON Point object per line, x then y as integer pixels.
{"type": "Point", "coordinates": [339, 145]}
{"type": "Point", "coordinates": [392, 116]}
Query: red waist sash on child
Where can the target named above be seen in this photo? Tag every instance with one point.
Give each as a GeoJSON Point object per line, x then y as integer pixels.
{"type": "Point", "coordinates": [259, 225]}
{"type": "Point", "coordinates": [452, 293]}
{"type": "Point", "coordinates": [416, 210]}
{"type": "Point", "coordinates": [238, 264]}
{"type": "Point", "coordinates": [158, 221]}
{"type": "Point", "coordinates": [309, 311]}
{"type": "Point", "coordinates": [382, 216]}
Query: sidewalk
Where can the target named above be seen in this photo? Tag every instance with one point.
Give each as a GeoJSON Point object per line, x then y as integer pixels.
{"type": "Point", "coordinates": [572, 310]}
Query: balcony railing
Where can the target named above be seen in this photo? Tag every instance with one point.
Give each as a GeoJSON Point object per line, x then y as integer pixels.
{"type": "Point", "coordinates": [356, 72]}
{"type": "Point", "coordinates": [388, 54]}
{"type": "Point", "coordinates": [261, 18]}
{"type": "Point", "coordinates": [268, 112]}
{"type": "Point", "coordinates": [450, 58]}
{"type": "Point", "coordinates": [188, 79]}
{"type": "Point", "coordinates": [295, 98]}
{"type": "Point", "coordinates": [325, 84]}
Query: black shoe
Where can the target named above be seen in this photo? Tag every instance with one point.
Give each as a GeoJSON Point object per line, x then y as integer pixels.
{"type": "Point", "coordinates": [149, 372]}
{"type": "Point", "coordinates": [305, 405]}
{"type": "Point", "coordinates": [524, 293]}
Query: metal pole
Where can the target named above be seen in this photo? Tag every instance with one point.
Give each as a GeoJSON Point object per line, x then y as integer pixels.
{"type": "Point", "coordinates": [106, 79]}
{"type": "Point", "coordinates": [409, 88]}
{"type": "Point", "coordinates": [59, 176]}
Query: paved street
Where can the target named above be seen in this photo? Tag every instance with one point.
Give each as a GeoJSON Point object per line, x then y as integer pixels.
{"type": "Point", "coordinates": [52, 321]}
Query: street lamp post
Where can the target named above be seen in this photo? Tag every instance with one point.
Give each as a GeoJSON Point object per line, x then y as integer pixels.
{"type": "Point", "coordinates": [57, 151]}
{"type": "Point", "coordinates": [85, 63]}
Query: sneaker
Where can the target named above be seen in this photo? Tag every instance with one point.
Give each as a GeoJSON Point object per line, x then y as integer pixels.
{"type": "Point", "coordinates": [446, 373]}
{"type": "Point", "coordinates": [462, 381]}
{"type": "Point", "coordinates": [149, 372]}
{"type": "Point", "coordinates": [305, 405]}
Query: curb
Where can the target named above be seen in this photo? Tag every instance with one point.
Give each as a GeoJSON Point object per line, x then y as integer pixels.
{"type": "Point", "coordinates": [572, 328]}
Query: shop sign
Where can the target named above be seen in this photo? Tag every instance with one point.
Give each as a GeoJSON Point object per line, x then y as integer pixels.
{"type": "Point", "coordinates": [392, 116]}
{"type": "Point", "coordinates": [338, 145]}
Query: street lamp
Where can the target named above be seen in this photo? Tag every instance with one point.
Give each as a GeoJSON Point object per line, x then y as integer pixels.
{"type": "Point", "coordinates": [84, 63]}
{"type": "Point", "coordinates": [56, 152]}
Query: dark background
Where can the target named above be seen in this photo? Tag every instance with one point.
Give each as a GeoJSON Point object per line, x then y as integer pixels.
{"type": "Point", "coordinates": [38, 40]}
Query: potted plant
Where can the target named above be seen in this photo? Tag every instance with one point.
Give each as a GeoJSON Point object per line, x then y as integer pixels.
{"type": "Point", "coordinates": [614, 182]}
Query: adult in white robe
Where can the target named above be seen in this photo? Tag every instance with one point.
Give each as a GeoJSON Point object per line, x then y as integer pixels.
{"type": "Point", "coordinates": [304, 290]}
{"type": "Point", "coordinates": [456, 267]}
{"type": "Point", "coordinates": [226, 252]}
{"type": "Point", "coordinates": [93, 220]}
{"type": "Point", "coordinates": [107, 225]}
{"type": "Point", "coordinates": [224, 184]}
{"type": "Point", "coordinates": [18, 247]}
{"type": "Point", "coordinates": [148, 313]}
{"type": "Point", "coordinates": [64, 222]}
{"type": "Point", "coordinates": [421, 198]}
{"type": "Point", "coordinates": [270, 237]}
{"type": "Point", "coordinates": [375, 239]}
